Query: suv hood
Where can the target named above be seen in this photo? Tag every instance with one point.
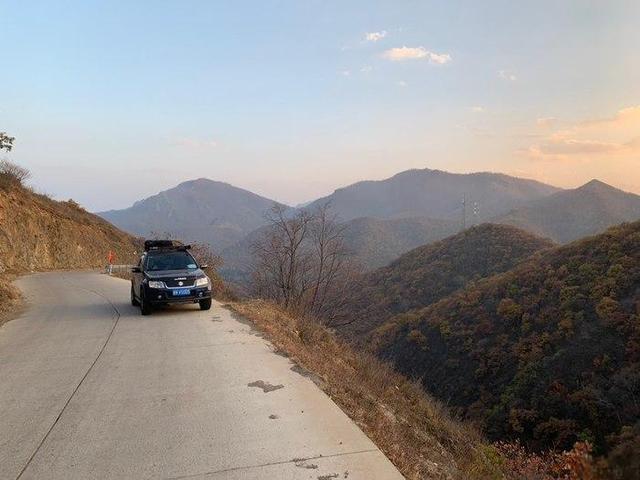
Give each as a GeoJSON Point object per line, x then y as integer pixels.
{"type": "Point", "coordinates": [161, 274]}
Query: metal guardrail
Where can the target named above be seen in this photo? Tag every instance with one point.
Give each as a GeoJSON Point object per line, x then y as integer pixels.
{"type": "Point", "coordinates": [111, 269]}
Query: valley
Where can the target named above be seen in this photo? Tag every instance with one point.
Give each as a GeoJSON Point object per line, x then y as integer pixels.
{"type": "Point", "coordinates": [505, 313]}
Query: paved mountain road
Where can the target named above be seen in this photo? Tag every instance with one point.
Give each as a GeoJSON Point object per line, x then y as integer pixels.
{"type": "Point", "coordinates": [89, 389]}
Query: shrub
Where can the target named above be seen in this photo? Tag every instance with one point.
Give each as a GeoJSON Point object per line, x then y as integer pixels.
{"type": "Point", "coordinates": [12, 175]}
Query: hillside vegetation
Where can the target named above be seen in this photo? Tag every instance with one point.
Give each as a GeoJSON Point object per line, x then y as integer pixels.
{"type": "Point", "coordinates": [548, 352]}
{"type": "Point", "coordinates": [431, 272]}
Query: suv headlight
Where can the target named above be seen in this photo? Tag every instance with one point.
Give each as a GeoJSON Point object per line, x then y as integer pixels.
{"type": "Point", "coordinates": [156, 284]}
{"type": "Point", "coordinates": [203, 282]}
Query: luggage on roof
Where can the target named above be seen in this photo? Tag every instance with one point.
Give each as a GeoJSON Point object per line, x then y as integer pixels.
{"type": "Point", "coordinates": [164, 245]}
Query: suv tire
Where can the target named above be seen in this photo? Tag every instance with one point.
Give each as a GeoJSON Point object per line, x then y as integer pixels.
{"type": "Point", "coordinates": [134, 302]}
{"type": "Point", "coordinates": [205, 304]}
{"type": "Point", "coordinates": [145, 308]}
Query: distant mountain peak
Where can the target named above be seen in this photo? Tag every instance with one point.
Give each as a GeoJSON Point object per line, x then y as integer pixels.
{"type": "Point", "coordinates": [198, 210]}
{"type": "Point", "coordinates": [597, 185]}
{"type": "Point", "coordinates": [200, 182]}
{"type": "Point", "coordinates": [434, 194]}
{"type": "Point", "coordinates": [580, 212]}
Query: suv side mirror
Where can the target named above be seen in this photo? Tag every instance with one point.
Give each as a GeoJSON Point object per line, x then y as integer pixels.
{"type": "Point", "coordinates": [135, 270]}
{"type": "Point", "coordinates": [202, 267]}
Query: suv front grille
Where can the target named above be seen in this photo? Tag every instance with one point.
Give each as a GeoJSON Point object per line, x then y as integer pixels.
{"type": "Point", "coordinates": [172, 283]}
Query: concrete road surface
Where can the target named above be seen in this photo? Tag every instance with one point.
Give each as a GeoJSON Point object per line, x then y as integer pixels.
{"type": "Point", "coordinates": [91, 389]}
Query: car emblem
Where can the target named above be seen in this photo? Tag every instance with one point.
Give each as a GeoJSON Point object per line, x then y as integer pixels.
{"type": "Point", "coordinates": [180, 284]}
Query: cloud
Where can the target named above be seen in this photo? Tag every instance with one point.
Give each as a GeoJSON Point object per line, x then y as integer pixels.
{"type": "Point", "coordinates": [546, 122]}
{"type": "Point", "coordinates": [439, 58]}
{"type": "Point", "coordinates": [624, 117]}
{"type": "Point", "coordinates": [400, 54]}
{"type": "Point", "coordinates": [375, 36]}
{"type": "Point", "coordinates": [345, 73]}
{"type": "Point", "coordinates": [402, 83]}
{"type": "Point", "coordinates": [611, 137]}
{"type": "Point", "coordinates": [506, 75]}
{"type": "Point", "coordinates": [477, 109]}
{"type": "Point", "coordinates": [366, 69]}
{"type": "Point", "coordinates": [572, 146]}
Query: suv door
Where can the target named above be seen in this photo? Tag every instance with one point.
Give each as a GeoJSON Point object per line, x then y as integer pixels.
{"type": "Point", "coordinates": [136, 277]}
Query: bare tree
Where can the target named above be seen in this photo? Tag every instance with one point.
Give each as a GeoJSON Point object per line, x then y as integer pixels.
{"type": "Point", "coordinates": [330, 259]}
{"type": "Point", "coordinates": [301, 262]}
{"type": "Point", "coordinates": [281, 262]}
{"type": "Point", "coordinates": [12, 174]}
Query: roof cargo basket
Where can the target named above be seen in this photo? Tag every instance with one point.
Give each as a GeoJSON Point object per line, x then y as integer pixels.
{"type": "Point", "coordinates": [164, 245]}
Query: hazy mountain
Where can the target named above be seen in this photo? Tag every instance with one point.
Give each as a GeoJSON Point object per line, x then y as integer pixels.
{"type": "Point", "coordinates": [434, 194]}
{"type": "Point", "coordinates": [371, 242]}
{"type": "Point", "coordinates": [572, 214]}
{"type": "Point", "coordinates": [375, 242]}
{"type": "Point", "coordinates": [198, 210]}
{"type": "Point", "coordinates": [431, 272]}
{"type": "Point", "coordinates": [548, 352]}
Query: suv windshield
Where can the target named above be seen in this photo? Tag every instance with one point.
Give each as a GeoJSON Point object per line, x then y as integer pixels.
{"type": "Point", "coordinates": [171, 261]}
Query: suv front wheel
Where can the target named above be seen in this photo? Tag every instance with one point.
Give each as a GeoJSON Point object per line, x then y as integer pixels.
{"type": "Point", "coordinates": [145, 308]}
{"type": "Point", "coordinates": [205, 304]}
{"type": "Point", "coordinates": [134, 301]}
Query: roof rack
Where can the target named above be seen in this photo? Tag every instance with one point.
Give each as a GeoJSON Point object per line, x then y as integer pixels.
{"type": "Point", "coordinates": [164, 245]}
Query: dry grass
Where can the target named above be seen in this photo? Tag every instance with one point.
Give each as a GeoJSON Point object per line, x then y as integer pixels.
{"type": "Point", "coordinates": [411, 428]}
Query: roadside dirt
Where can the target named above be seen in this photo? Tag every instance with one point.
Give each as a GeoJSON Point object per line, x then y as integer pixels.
{"type": "Point", "coordinates": [11, 301]}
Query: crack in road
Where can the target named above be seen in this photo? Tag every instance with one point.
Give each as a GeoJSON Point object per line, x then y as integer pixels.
{"type": "Point", "coordinates": [269, 464]}
{"type": "Point", "coordinates": [75, 390]}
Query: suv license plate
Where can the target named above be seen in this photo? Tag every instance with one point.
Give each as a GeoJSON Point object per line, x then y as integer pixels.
{"type": "Point", "coordinates": [181, 292]}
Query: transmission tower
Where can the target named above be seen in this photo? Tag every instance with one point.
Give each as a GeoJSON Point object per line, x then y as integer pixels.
{"type": "Point", "coordinates": [464, 211]}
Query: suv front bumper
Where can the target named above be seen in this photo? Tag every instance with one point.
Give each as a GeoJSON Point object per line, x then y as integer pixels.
{"type": "Point", "coordinates": [164, 296]}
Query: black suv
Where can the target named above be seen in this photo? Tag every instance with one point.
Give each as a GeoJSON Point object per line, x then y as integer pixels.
{"type": "Point", "coordinates": [167, 273]}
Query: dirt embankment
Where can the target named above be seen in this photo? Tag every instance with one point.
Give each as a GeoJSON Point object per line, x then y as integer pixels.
{"type": "Point", "coordinates": [39, 234]}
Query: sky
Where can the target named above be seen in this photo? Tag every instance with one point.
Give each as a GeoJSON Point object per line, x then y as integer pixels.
{"type": "Point", "coordinates": [111, 102]}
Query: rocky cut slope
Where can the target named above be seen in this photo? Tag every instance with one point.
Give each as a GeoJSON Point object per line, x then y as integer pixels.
{"type": "Point", "coordinates": [37, 233]}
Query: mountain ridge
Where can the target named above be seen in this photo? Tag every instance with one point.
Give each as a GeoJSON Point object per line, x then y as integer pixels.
{"type": "Point", "coordinates": [433, 194]}
{"type": "Point", "coordinates": [571, 214]}
{"type": "Point", "coordinates": [428, 273]}
{"type": "Point", "coordinates": [202, 210]}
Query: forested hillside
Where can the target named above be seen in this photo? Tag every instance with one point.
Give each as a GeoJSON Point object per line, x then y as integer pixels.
{"type": "Point", "coordinates": [428, 273]}
{"type": "Point", "coordinates": [548, 352]}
